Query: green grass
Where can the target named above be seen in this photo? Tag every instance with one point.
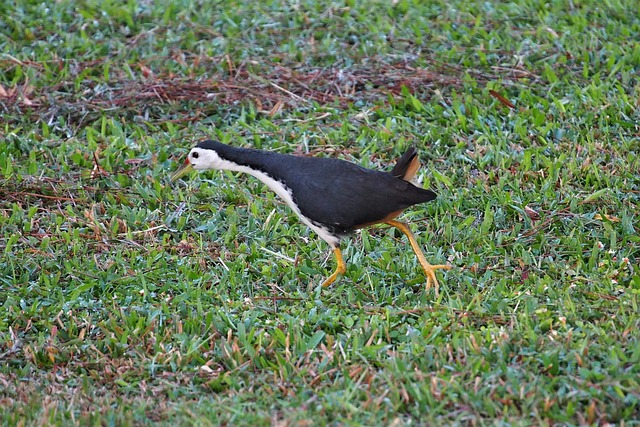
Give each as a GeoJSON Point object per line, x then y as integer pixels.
{"type": "Point", "coordinates": [128, 300]}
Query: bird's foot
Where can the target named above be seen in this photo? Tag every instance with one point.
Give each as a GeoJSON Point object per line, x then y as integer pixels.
{"type": "Point", "coordinates": [329, 280]}
{"type": "Point", "coordinates": [430, 272]}
{"type": "Point", "coordinates": [340, 268]}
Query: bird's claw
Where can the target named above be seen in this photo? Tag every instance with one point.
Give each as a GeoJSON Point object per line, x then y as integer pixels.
{"type": "Point", "coordinates": [430, 272]}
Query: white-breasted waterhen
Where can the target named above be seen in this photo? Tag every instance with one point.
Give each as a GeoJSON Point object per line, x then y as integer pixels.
{"type": "Point", "coordinates": [333, 197]}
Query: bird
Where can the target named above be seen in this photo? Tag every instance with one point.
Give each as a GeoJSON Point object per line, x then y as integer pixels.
{"type": "Point", "coordinates": [331, 196]}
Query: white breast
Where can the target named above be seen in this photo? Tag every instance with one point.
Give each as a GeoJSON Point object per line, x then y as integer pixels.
{"type": "Point", "coordinates": [285, 194]}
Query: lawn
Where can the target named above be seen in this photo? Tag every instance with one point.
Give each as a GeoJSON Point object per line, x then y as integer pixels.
{"type": "Point", "coordinates": [130, 300]}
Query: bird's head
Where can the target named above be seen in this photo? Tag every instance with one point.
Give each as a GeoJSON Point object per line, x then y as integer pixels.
{"type": "Point", "coordinates": [201, 157]}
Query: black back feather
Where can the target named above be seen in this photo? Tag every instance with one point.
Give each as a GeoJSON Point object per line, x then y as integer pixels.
{"type": "Point", "coordinates": [335, 193]}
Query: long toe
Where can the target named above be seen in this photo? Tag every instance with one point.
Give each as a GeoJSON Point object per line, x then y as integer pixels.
{"type": "Point", "coordinates": [430, 272]}
{"type": "Point", "coordinates": [340, 268]}
{"type": "Point", "coordinates": [329, 280]}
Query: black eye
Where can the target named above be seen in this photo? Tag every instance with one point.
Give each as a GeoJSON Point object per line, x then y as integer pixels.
{"type": "Point", "coordinates": [195, 155]}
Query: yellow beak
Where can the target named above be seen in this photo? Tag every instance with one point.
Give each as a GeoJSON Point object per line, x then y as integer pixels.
{"type": "Point", "coordinates": [182, 170]}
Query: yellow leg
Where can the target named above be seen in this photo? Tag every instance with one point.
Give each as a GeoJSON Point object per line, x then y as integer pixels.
{"type": "Point", "coordinates": [429, 270]}
{"type": "Point", "coordinates": [340, 269]}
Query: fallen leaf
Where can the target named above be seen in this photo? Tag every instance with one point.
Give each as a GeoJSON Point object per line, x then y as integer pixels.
{"type": "Point", "coordinates": [25, 92]}
{"type": "Point", "coordinates": [276, 108]}
{"type": "Point", "coordinates": [26, 101]}
{"type": "Point", "coordinates": [531, 213]}
{"type": "Point", "coordinates": [146, 71]}
{"type": "Point", "coordinates": [608, 217]}
{"type": "Point", "coordinates": [501, 98]}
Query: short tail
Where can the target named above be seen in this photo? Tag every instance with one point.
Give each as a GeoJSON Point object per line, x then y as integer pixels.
{"type": "Point", "coordinates": [407, 166]}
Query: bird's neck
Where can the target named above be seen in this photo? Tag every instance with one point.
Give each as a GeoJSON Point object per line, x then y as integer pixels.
{"type": "Point", "coordinates": [276, 186]}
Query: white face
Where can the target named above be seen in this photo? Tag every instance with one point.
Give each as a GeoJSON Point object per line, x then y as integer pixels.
{"type": "Point", "coordinates": [202, 159]}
